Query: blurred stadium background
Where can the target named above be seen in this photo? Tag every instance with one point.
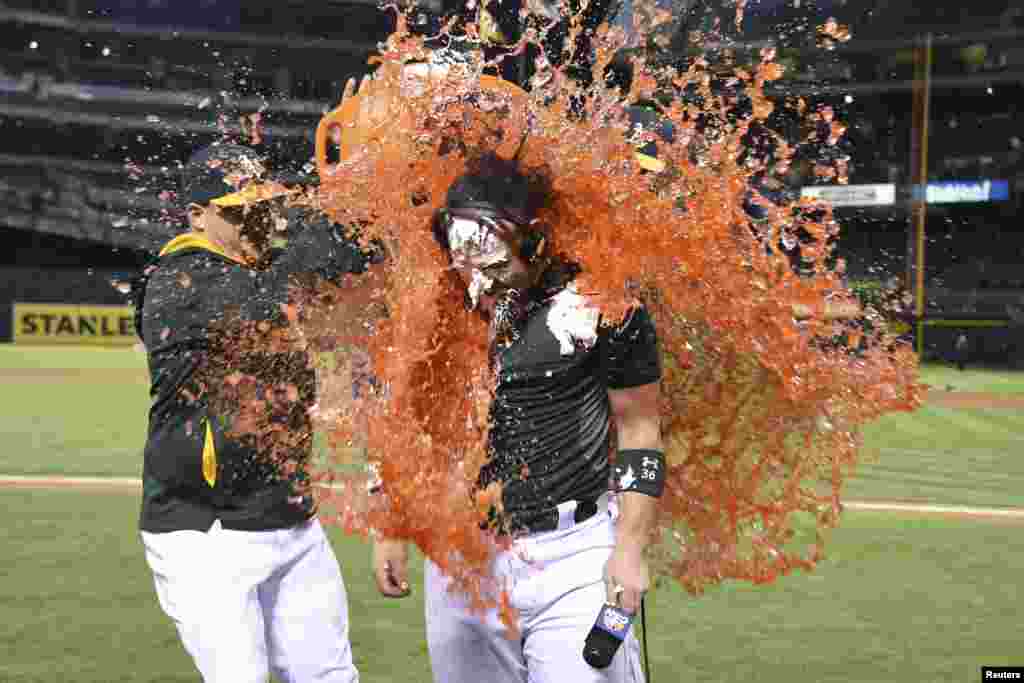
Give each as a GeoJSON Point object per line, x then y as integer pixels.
{"type": "Point", "coordinates": [103, 98]}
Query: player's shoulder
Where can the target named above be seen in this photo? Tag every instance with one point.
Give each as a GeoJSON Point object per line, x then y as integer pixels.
{"type": "Point", "coordinates": [636, 319]}
{"type": "Point", "coordinates": [199, 266]}
{"type": "Point", "coordinates": [182, 278]}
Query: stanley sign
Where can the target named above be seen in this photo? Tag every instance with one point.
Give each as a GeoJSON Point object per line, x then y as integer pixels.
{"type": "Point", "coordinates": [70, 324]}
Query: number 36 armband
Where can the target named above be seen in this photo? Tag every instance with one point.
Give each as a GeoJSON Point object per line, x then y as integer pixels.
{"type": "Point", "coordinates": [640, 470]}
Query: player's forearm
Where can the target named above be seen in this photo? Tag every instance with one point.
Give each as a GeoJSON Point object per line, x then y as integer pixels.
{"type": "Point", "coordinates": [639, 469]}
{"type": "Point", "coordinates": [638, 513]}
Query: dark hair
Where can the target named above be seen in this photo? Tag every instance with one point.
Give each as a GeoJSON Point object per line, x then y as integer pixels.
{"type": "Point", "coordinates": [504, 187]}
{"type": "Point", "coordinates": [495, 185]}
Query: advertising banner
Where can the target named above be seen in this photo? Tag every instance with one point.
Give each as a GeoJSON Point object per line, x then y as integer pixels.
{"type": "Point", "coordinates": [960, 191]}
{"type": "Point", "coordinates": [71, 324]}
{"type": "Point", "coordinates": [852, 195]}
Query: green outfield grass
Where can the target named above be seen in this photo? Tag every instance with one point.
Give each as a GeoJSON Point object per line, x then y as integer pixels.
{"type": "Point", "coordinates": [83, 412]}
{"type": "Point", "coordinates": [942, 377]}
{"type": "Point", "coordinates": [898, 599]}
{"type": "Point", "coordinates": [75, 411]}
{"type": "Point", "coordinates": [944, 455]}
{"type": "Point", "coordinates": [15, 357]}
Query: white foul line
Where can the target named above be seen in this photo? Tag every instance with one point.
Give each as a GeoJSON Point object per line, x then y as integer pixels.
{"type": "Point", "coordinates": [934, 509]}
{"type": "Point", "coordinates": [58, 481]}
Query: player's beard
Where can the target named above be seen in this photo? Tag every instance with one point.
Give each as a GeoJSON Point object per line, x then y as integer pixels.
{"type": "Point", "coordinates": [512, 308]}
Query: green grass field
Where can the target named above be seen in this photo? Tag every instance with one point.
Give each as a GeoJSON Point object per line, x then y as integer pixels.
{"type": "Point", "coordinates": [944, 455]}
{"type": "Point", "coordinates": [993, 381]}
{"type": "Point", "coordinates": [72, 411]}
{"type": "Point", "coordinates": [899, 597]}
{"type": "Point", "coordinates": [83, 412]}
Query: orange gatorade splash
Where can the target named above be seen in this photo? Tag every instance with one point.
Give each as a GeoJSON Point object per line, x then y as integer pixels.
{"type": "Point", "coordinates": [767, 378]}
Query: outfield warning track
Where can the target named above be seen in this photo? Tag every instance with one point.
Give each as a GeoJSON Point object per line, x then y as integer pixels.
{"type": "Point", "coordinates": [133, 484]}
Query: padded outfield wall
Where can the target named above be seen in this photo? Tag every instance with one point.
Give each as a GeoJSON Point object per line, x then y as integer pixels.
{"type": "Point", "coordinates": [60, 305]}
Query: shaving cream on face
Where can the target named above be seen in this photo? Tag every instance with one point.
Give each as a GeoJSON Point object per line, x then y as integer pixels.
{"type": "Point", "coordinates": [475, 246]}
{"type": "Point", "coordinates": [474, 238]}
{"type": "Point", "coordinates": [479, 283]}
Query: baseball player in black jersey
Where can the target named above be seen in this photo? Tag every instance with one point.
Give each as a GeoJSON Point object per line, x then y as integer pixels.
{"type": "Point", "coordinates": [239, 560]}
{"type": "Point", "coordinates": [565, 382]}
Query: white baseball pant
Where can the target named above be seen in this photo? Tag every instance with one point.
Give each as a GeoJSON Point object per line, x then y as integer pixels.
{"type": "Point", "coordinates": [556, 582]}
{"type": "Point", "coordinates": [250, 602]}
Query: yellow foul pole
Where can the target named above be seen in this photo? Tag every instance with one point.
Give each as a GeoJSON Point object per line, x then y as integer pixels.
{"type": "Point", "coordinates": [919, 166]}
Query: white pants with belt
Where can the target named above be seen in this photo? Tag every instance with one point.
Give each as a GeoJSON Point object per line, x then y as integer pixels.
{"type": "Point", "coordinates": [555, 580]}
{"type": "Point", "coordinates": [250, 602]}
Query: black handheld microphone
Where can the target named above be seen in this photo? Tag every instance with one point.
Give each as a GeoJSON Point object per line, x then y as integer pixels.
{"type": "Point", "coordinates": [605, 637]}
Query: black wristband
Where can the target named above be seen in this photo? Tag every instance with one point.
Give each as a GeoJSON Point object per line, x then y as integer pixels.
{"type": "Point", "coordinates": [641, 470]}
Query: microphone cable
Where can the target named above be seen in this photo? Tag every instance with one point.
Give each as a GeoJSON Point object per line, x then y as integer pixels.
{"type": "Point", "coordinates": [643, 628]}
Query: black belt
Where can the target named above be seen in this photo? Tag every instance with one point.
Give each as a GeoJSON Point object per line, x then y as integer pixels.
{"type": "Point", "coordinates": [546, 520]}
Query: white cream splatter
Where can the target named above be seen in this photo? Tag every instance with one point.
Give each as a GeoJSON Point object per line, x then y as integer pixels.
{"type": "Point", "coordinates": [475, 245]}
{"type": "Point", "coordinates": [469, 236]}
{"type": "Point", "coordinates": [572, 320]}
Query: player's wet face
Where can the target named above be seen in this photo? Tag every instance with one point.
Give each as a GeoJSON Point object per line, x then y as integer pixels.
{"type": "Point", "coordinates": [257, 226]}
{"type": "Point", "coordinates": [486, 254]}
{"type": "Point", "coordinates": [246, 231]}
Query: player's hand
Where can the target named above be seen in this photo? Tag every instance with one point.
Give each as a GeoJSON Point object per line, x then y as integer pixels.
{"type": "Point", "coordinates": [379, 102]}
{"type": "Point", "coordinates": [374, 101]}
{"type": "Point", "coordinates": [626, 577]}
{"type": "Point", "coordinates": [391, 567]}
{"type": "Point", "coordinates": [382, 114]}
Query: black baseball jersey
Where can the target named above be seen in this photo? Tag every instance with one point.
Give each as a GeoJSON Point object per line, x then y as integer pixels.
{"type": "Point", "coordinates": [196, 468]}
{"type": "Point", "coordinates": [551, 413]}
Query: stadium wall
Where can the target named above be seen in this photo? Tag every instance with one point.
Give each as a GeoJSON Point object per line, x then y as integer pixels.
{"type": "Point", "coordinates": [63, 306]}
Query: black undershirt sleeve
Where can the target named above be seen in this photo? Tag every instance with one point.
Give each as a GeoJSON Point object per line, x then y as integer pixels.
{"type": "Point", "coordinates": [631, 351]}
